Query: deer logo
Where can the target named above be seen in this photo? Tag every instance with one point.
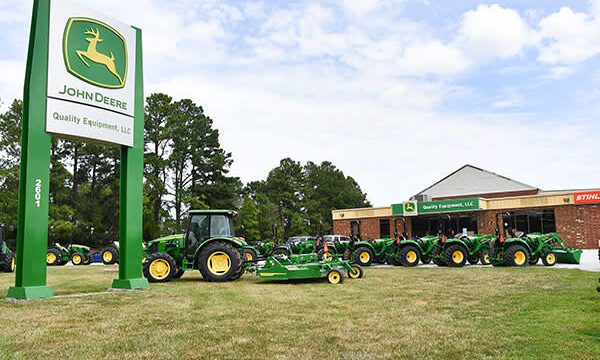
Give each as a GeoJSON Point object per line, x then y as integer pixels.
{"type": "Point", "coordinates": [92, 54]}
{"type": "Point", "coordinates": [95, 53]}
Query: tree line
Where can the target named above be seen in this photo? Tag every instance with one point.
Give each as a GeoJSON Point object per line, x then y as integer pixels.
{"type": "Point", "coordinates": [185, 167]}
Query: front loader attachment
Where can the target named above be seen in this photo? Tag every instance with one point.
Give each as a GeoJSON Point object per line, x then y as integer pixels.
{"type": "Point", "coordinates": [567, 256]}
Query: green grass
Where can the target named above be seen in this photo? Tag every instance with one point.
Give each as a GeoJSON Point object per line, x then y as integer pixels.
{"type": "Point", "coordinates": [417, 313]}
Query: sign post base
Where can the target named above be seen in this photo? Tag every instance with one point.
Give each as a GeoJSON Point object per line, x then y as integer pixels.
{"type": "Point", "coordinates": [29, 292]}
{"type": "Point", "coordinates": [131, 284]}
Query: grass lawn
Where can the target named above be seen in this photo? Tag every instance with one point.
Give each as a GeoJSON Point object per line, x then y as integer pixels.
{"type": "Point", "coordinates": [416, 313]}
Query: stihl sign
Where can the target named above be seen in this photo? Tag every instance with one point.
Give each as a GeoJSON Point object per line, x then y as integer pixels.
{"type": "Point", "coordinates": [587, 197]}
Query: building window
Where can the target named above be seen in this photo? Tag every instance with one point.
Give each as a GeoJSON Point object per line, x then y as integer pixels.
{"type": "Point", "coordinates": [534, 221]}
{"type": "Point", "coordinates": [423, 226]}
{"type": "Point", "coordinates": [384, 228]}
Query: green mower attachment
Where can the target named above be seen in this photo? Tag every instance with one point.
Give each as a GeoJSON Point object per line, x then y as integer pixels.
{"type": "Point", "coordinates": [306, 266]}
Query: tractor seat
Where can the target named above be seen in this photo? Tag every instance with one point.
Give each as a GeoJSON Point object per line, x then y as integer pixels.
{"type": "Point", "coordinates": [519, 234]}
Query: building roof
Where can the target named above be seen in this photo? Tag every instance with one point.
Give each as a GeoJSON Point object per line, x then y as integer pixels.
{"type": "Point", "coordinates": [471, 180]}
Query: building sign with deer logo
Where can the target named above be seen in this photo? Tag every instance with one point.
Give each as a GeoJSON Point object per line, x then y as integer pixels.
{"type": "Point", "coordinates": [90, 92]}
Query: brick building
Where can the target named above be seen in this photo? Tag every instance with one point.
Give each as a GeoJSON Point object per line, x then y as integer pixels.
{"type": "Point", "coordinates": [470, 199]}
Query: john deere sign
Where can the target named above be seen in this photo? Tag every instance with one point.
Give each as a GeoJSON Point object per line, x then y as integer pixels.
{"type": "Point", "coordinates": [83, 82]}
{"type": "Point", "coordinates": [95, 52]}
{"type": "Point", "coordinates": [90, 90]}
{"type": "Point", "coordinates": [432, 207]}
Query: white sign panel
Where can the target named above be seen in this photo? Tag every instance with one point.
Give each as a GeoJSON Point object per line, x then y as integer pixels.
{"type": "Point", "coordinates": [91, 75]}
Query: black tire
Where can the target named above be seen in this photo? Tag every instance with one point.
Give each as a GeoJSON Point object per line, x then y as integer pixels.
{"type": "Point", "coordinates": [334, 277]}
{"type": "Point", "coordinates": [8, 262]}
{"type": "Point", "coordinates": [77, 259]}
{"type": "Point", "coordinates": [159, 268]}
{"type": "Point", "coordinates": [110, 255]}
{"type": "Point", "coordinates": [513, 255]}
{"type": "Point", "coordinates": [363, 256]}
{"type": "Point", "coordinates": [249, 255]}
{"type": "Point", "coordinates": [178, 273]}
{"type": "Point", "coordinates": [549, 259]}
{"type": "Point", "coordinates": [321, 252]}
{"type": "Point", "coordinates": [393, 259]}
{"type": "Point", "coordinates": [533, 260]}
{"type": "Point", "coordinates": [57, 259]}
{"type": "Point", "coordinates": [485, 257]}
{"type": "Point", "coordinates": [438, 261]}
{"type": "Point", "coordinates": [280, 251]}
{"type": "Point", "coordinates": [87, 260]}
{"type": "Point", "coordinates": [473, 260]}
{"type": "Point", "coordinates": [455, 255]}
{"type": "Point", "coordinates": [425, 260]}
{"type": "Point", "coordinates": [215, 270]}
{"type": "Point", "coordinates": [355, 275]}
{"type": "Point", "coordinates": [410, 256]}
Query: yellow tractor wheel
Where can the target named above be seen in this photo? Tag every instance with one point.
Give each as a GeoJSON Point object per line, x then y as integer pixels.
{"type": "Point", "coordinates": [335, 277]}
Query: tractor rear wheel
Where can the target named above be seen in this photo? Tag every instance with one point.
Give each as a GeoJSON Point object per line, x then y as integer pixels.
{"type": "Point", "coordinates": [249, 255]}
{"type": "Point", "coordinates": [549, 259]}
{"type": "Point", "coordinates": [363, 256]}
{"type": "Point", "coordinates": [516, 255]}
{"type": "Point", "coordinates": [455, 255]}
{"type": "Point", "coordinates": [77, 259]}
{"type": "Point", "coordinates": [159, 267]}
{"type": "Point", "coordinates": [335, 277]}
{"type": "Point", "coordinates": [485, 258]}
{"type": "Point", "coordinates": [220, 261]}
{"type": "Point", "coordinates": [110, 256]}
{"type": "Point", "coordinates": [53, 257]}
{"type": "Point", "coordinates": [326, 256]}
{"type": "Point", "coordinates": [409, 256]}
{"type": "Point", "coordinates": [356, 273]}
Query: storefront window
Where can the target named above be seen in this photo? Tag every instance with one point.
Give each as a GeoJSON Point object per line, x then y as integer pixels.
{"type": "Point", "coordinates": [423, 226]}
{"type": "Point", "coordinates": [384, 228]}
{"type": "Point", "coordinates": [540, 221]}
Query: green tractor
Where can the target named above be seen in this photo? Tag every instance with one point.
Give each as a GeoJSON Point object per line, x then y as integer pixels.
{"type": "Point", "coordinates": [209, 245]}
{"type": "Point", "coordinates": [60, 255]}
{"type": "Point", "coordinates": [7, 256]}
{"type": "Point", "coordinates": [296, 245]}
{"type": "Point", "coordinates": [515, 248]}
{"type": "Point", "coordinates": [110, 254]}
{"type": "Point", "coordinates": [362, 252]}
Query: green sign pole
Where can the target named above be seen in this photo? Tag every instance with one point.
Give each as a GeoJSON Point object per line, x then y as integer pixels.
{"type": "Point", "coordinates": [32, 227]}
{"type": "Point", "coordinates": [131, 197]}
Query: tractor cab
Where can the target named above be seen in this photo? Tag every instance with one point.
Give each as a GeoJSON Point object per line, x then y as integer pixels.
{"type": "Point", "coordinates": [207, 224]}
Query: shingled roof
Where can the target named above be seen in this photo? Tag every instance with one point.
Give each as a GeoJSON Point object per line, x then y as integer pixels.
{"type": "Point", "coordinates": [470, 180]}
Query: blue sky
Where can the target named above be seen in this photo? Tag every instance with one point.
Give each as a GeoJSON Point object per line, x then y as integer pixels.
{"type": "Point", "coordinates": [396, 93]}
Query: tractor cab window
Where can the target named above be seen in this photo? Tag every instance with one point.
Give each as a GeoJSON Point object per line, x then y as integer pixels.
{"type": "Point", "coordinates": [198, 230]}
{"type": "Point", "coordinates": [220, 225]}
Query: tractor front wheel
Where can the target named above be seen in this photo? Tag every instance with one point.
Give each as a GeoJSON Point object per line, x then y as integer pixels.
{"type": "Point", "coordinates": [533, 260]}
{"type": "Point", "coordinates": [249, 255]}
{"type": "Point", "coordinates": [178, 273]}
{"type": "Point", "coordinates": [409, 256]}
{"type": "Point", "coordinates": [455, 255]}
{"type": "Point", "coordinates": [335, 277]}
{"type": "Point", "coordinates": [159, 267]}
{"type": "Point", "coordinates": [425, 260]}
{"type": "Point", "coordinates": [53, 257]}
{"type": "Point", "coordinates": [549, 259]}
{"type": "Point", "coordinates": [8, 262]}
{"type": "Point", "coordinates": [363, 256]}
{"type": "Point", "coordinates": [220, 261]}
{"type": "Point", "coordinates": [77, 259]}
{"type": "Point", "coordinates": [485, 258]}
{"type": "Point", "coordinates": [473, 260]}
{"type": "Point", "coordinates": [110, 256]}
{"type": "Point", "coordinates": [516, 255]}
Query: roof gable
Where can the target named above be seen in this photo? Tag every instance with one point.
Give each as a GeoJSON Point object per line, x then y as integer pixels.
{"type": "Point", "coordinates": [471, 180]}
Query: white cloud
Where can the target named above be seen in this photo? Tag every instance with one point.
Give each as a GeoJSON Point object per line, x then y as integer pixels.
{"type": "Point", "coordinates": [569, 37]}
{"type": "Point", "coordinates": [493, 32]}
{"type": "Point", "coordinates": [434, 58]}
{"type": "Point", "coordinates": [510, 99]}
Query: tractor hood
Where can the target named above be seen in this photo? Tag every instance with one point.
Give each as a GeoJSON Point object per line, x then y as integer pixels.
{"type": "Point", "coordinates": [169, 238]}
